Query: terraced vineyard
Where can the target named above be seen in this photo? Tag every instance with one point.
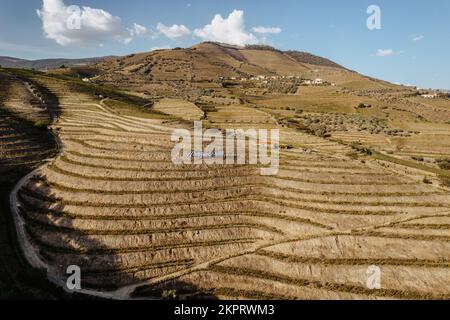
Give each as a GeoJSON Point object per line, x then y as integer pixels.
{"type": "Point", "coordinates": [113, 203]}
{"type": "Point", "coordinates": [179, 108]}
{"type": "Point", "coordinates": [25, 143]}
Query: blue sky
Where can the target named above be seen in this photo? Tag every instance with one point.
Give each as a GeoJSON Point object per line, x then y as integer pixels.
{"type": "Point", "coordinates": [412, 45]}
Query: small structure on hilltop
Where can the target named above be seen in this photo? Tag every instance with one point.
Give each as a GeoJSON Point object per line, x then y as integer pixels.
{"type": "Point", "coordinates": [429, 96]}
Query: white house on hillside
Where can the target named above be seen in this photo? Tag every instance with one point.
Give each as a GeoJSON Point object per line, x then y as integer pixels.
{"type": "Point", "coordinates": [429, 96]}
{"type": "Point", "coordinates": [318, 81]}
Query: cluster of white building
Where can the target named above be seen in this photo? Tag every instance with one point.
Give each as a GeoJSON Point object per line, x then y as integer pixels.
{"type": "Point", "coordinates": [315, 82]}
{"type": "Point", "coordinates": [429, 96]}
{"type": "Point", "coordinates": [266, 79]}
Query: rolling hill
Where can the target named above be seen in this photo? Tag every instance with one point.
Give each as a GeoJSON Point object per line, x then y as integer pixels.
{"type": "Point", "coordinates": [211, 61]}
{"type": "Point", "coordinates": [46, 64]}
{"type": "Point", "coordinates": [187, 71]}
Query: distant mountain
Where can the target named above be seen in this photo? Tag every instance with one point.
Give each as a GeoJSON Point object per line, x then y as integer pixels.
{"type": "Point", "coordinates": [47, 64]}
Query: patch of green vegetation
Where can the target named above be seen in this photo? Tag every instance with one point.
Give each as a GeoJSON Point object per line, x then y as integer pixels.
{"type": "Point", "coordinates": [293, 121]}
{"type": "Point", "coordinates": [41, 124]}
{"type": "Point", "coordinates": [118, 101]}
{"type": "Point", "coordinates": [445, 181]}
{"type": "Point", "coordinates": [319, 130]}
{"type": "Point", "coordinates": [85, 87]}
{"type": "Point", "coordinates": [359, 148]}
{"type": "Point", "coordinates": [129, 109]}
{"type": "Point", "coordinates": [77, 72]}
{"type": "Point", "coordinates": [169, 294]}
{"type": "Point", "coordinates": [418, 158]}
{"type": "Point", "coordinates": [444, 164]}
{"type": "Point", "coordinates": [412, 164]}
{"type": "Point", "coordinates": [23, 72]}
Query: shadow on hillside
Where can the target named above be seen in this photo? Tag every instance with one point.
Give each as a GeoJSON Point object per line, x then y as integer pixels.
{"type": "Point", "coordinates": [17, 279]}
{"type": "Point", "coordinates": [101, 267]}
{"type": "Point", "coordinates": [51, 101]}
{"type": "Point", "coordinates": [173, 290]}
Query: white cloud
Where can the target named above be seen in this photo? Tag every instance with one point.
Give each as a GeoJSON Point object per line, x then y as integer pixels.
{"type": "Point", "coordinates": [85, 26]}
{"type": "Point", "coordinates": [175, 32]}
{"type": "Point", "coordinates": [385, 52]}
{"type": "Point", "coordinates": [142, 31]}
{"type": "Point", "coordinates": [230, 30]}
{"type": "Point", "coordinates": [418, 37]}
{"type": "Point", "coordinates": [139, 30]}
{"type": "Point", "coordinates": [267, 30]}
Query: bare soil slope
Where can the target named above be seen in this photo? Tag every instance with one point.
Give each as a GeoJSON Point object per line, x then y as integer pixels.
{"type": "Point", "coordinates": [114, 204]}
{"type": "Point", "coordinates": [352, 190]}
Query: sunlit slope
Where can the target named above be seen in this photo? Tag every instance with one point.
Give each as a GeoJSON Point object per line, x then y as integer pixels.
{"type": "Point", "coordinates": [212, 61]}
{"type": "Point", "coordinates": [115, 204]}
